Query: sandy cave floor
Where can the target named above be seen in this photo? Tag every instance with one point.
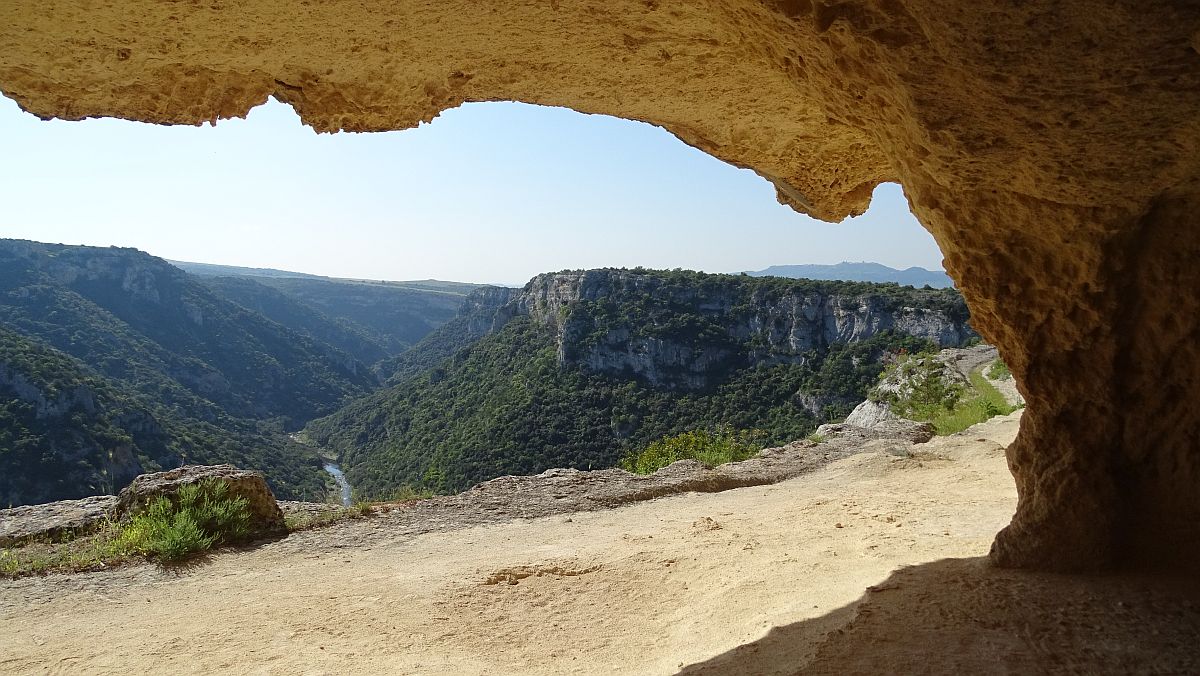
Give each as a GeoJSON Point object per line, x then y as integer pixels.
{"type": "Point", "coordinates": [797, 577]}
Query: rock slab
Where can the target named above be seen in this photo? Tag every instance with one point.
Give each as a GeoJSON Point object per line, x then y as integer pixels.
{"type": "Point", "coordinates": [54, 520]}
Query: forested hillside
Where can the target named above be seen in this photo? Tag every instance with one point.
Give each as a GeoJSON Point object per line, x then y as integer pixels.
{"type": "Point", "coordinates": [481, 313]}
{"type": "Point", "coordinates": [354, 340]}
{"type": "Point", "coordinates": [67, 432]}
{"type": "Point", "coordinates": [396, 317]}
{"type": "Point", "coordinates": [371, 320]}
{"type": "Point", "coordinates": [134, 317]}
{"type": "Point", "coordinates": [156, 337]}
{"type": "Point", "coordinates": [582, 367]}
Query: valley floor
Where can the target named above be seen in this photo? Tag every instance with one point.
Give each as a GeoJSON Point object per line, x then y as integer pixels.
{"type": "Point", "coordinates": [872, 564]}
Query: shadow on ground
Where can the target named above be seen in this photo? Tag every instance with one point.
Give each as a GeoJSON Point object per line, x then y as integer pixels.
{"type": "Point", "coordinates": [963, 616]}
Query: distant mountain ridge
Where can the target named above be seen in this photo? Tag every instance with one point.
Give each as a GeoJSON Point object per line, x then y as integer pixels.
{"type": "Point", "coordinates": [215, 270]}
{"type": "Point", "coordinates": [860, 272]}
{"type": "Point", "coordinates": [373, 322]}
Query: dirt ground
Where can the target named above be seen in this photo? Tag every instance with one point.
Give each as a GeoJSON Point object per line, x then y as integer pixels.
{"type": "Point", "coordinates": [870, 565]}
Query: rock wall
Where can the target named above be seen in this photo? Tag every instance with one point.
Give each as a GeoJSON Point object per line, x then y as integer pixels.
{"type": "Point", "coordinates": [791, 323]}
{"type": "Point", "coordinates": [1053, 150]}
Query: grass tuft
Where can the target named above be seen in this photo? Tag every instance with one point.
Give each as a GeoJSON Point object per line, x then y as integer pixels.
{"type": "Point", "coordinates": [710, 448]}
{"type": "Point", "coordinates": [203, 515]}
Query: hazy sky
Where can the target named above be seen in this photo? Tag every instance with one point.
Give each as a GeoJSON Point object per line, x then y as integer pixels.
{"type": "Point", "coordinates": [491, 192]}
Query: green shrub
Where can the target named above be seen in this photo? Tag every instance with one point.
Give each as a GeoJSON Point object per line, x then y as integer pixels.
{"type": "Point", "coordinates": [710, 448]}
{"type": "Point", "coordinates": [406, 493]}
{"type": "Point", "coordinates": [950, 406]}
{"type": "Point", "coordinates": [203, 515]}
{"type": "Point", "coordinates": [928, 394]}
{"type": "Point", "coordinates": [981, 402]}
{"type": "Point", "coordinates": [999, 370]}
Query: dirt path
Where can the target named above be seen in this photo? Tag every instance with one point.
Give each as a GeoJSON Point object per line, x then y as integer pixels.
{"type": "Point", "coordinates": [755, 580]}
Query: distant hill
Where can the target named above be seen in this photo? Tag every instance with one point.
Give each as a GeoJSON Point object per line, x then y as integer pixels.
{"type": "Point", "coordinates": [298, 315]}
{"type": "Point", "coordinates": [394, 317]}
{"type": "Point", "coordinates": [861, 272]}
{"type": "Point", "coordinates": [212, 270]}
{"type": "Point", "coordinates": [375, 321]}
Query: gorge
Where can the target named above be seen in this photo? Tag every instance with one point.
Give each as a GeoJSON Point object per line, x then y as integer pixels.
{"type": "Point", "coordinates": [581, 367]}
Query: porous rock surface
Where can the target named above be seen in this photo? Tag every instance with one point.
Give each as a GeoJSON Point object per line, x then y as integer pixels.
{"type": "Point", "coordinates": [265, 515]}
{"type": "Point", "coordinates": [1052, 149]}
{"type": "Point", "coordinates": [53, 520]}
{"type": "Point", "coordinates": [894, 428]}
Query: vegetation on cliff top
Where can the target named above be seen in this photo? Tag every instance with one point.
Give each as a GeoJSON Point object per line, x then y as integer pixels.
{"type": "Point", "coordinates": [711, 448]}
{"type": "Point", "coordinates": [949, 404]}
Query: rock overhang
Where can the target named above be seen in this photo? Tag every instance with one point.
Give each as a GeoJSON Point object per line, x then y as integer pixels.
{"type": "Point", "coordinates": [1053, 150]}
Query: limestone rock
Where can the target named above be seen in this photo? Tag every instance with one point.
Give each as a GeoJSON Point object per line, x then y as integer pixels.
{"type": "Point", "coordinates": [53, 520]}
{"type": "Point", "coordinates": [556, 491]}
{"type": "Point", "coordinates": [898, 428]}
{"type": "Point", "coordinates": [266, 516]}
{"type": "Point", "coordinates": [870, 413]}
{"type": "Point", "coordinates": [786, 327]}
{"type": "Point", "coordinates": [874, 420]}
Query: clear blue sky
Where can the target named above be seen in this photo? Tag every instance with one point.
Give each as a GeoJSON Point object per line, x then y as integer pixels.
{"type": "Point", "coordinates": [492, 192]}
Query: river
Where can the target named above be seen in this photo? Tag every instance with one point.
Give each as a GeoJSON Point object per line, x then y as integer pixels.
{"type": "Point", "coordinates": [340, 478]}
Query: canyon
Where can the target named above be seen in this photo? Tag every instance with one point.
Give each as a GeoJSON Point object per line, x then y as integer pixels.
{"type": "Point", "coordinates": [582, 368]}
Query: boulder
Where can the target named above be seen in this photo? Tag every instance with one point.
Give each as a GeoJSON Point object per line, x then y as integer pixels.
{"type": "Point", "coordinates": [265, 515]}
{"type": "Point", "coordinates": [870, 413]}
{"type": "Point", "coordinates": [874, 420]}
{"type": "Point", "coordinates": [899, 428]}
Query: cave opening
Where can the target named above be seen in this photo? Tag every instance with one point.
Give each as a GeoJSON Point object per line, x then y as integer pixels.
{"type": "Point", "coordinates": [546, 188]}
{"type": "Point", "coordinates": [1062, 197]}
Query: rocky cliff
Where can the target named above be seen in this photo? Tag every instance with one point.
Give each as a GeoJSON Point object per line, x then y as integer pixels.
{"type": "Point", "coordinates": [682, 329]}
{"type": "Point", "coordinates": [579, 368]}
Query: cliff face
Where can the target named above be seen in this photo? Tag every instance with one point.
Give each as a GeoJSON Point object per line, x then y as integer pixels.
{"type": "Point", "coordinates": [685, 335]}
{"type": "Point", "coordinates": [579, 368]}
